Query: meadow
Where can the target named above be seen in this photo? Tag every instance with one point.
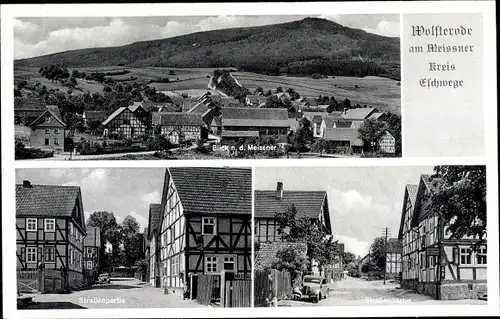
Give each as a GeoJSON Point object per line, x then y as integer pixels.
{"type": "Point", "coordinates": [382, 93]}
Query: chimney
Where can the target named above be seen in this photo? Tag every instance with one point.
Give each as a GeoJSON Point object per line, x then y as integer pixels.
{"type": "Point", "coordinates": [26, 184]}
{"type": "Point", "coordinates": [279, 190]}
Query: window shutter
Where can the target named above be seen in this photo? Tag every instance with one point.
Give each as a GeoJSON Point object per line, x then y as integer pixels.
{"type": "Point", "coordinates": [23, 254]}
{"type": "Point", "coordinates": [39, 254]}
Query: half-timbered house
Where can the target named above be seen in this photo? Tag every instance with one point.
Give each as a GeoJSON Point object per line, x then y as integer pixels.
{"type": "Point", "coordinates": [205, 227]}
{"type": "Point", "coordinates": [50, 231]}
{"type": "Point", "coordinates": [434, 263]}
{"type": "Point", "coordinates": [92, 246]}
{"type": "Point", "coordinates": [127, 121]}
{"type": "Point", "coordinates": [154, 239]}
{"type": "Point", "coordinates": [393, 258]}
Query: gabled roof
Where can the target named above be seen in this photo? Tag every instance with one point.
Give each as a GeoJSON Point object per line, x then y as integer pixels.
{"type": "Point", "coordinates": [308, 203]}
{"type": "Point", "coordinates": [210, 190]}
{"type": "Point", "coordinates": [343, 134]}
{"type": "Point", "coordinates": [427, 185]}
{"type": "Point", "coordinates": [358, 113]}
{"type": "Point", "coordinates": [199, 108]}
{"type": "Point", "coordinates": [343, 123]}
{"type": "Point", "coordinates": [255, 117]}
{"type": "Point", "coordinates": [394, 246]}
{"type": "Point", "coordinates": [240, 133]}
{"type": "Point", "coordinates": [154, 219]}
{"type": "Point", "coordinates": [411, 194]}
{"type": "Point", "coordinates": [95, 115]}
{"type": "Point", "coordinates": [181, 119]}
{"type": "Point", "coordinates": [93, 238]}
{"type": "Point", "coordinates": [145, 105]}
{"type": "Point", "coordinates": [376, 115]}
{"type": "Point", "coordinates": [317, 119]}
{"type": "Point", "coordinates": [47, 200]}
{"type": "Point", "coordinates": [293, 123]}
{"type": "Point", "coordinates": [115, 114]}
{"type": "Point", "coordinates": [52, 110]}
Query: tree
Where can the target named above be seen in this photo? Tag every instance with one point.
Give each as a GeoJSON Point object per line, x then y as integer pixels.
{"type": "Point", "coordinates": [370, 131]}
{"type": "Point", "coordinates": [377, 250]}
{"type": "Point", "coordinates": [259, 90]}
{"type": "Point", "coordinates": [303, 136]}
{"type": "Point", "coordinates": [132, 241]}
{"type": "Point", "coordinates": [307, 230]}
{"type": "Point", "coordinates": [319, 146]}
{"type": "Point", "coordinates": [110, 232]}
{"type": "Point", "coordinates": [290, 260]}
{"type": "Point", "coordinates": [394, 127]}
{"type": "Point", "coordinates": [130, 226]}
{"type": "Point", "coordinates": [461, 199]}
{"type": "Point", "coordinates": [279, 89]}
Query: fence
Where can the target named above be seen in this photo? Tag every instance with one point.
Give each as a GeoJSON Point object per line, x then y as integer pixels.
{"type": "Point", "coordinates": [204, 289]}
{"type": "Point", "coordinates": [237, 291]}
{"type": "Point", "coordinates": [269, 284]}
{"type": "Point", "coordinates": [28, 280]}
{"type": "Point", "coordinates": [41, 280]}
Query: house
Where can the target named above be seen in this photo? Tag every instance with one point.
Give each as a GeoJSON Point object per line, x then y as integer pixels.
{"type": "Point", "coordinates": [129, 121]}
{"type": "Point", "coordinates": [364, 261]}
{"type": "Point", "coordinates": [312, 204]}
{"type": "Point", "coordinates": [146, 244]}
{"type": "Point", "coordinates": [316, 124]}
{"type": "Point", "coordinates": [48, 131]}
{"type": "Point", "coordinates": [434, 263]}
{"type": "Point", "coordinates": [265, 121]}
{"type": "Point", "coordinates": [344, 138]}
{"type": "Point", "coordinates": [386, 143]}
{"type": "Point", "coordinates": [28, 110]}
{"type": "Point", "coordinates": [92, 247]}
{"type": "Point", "coordinates": [50, 232]}
{"type": "Point", "coordinates": [255, 100]}
{"type": "Point", "coordinates": [153, 237]}
{"type": "Point", "coordinates": [93, 116]}
{"type": "Point", "coordinates": [283, 95]}
{"type": "Point", "coordinates": [205, 228]}
{"type": "Point", "coordinates": [393, 258]}
{"type": "Point", "coordinates": [358, 114]}
{"type": "Point", "coordinates": [311, 114]}
{"type": "Point", "coordinates": [379, 116]}
{"type": "Point", "coordinates": [181, 127]}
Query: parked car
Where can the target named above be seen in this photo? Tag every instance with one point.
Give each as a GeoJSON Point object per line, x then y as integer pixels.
{"type": "Point", "coordinates": [313, 288]}
{"type": "Point", "coordinates": [103, 279]}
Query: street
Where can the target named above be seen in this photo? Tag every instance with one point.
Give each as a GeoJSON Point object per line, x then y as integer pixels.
{"type": "Point", "coordinates": [120, 293]}
{"type": "Point", "coordinates": [356, 291]}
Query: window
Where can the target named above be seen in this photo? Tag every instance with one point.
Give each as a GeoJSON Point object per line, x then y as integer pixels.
{"type": "Point", "coordinates": [208, 225]}
{"type": "Point", "coordinates": [50, 254]}
{"type": "Point", "coordinates": [31, 224]}
{"type": "Point", "coordinates": [211, 264]}
{"type": "Point", "coordinates": [229, 263]}
{"type": "Point", "coordinates": [47, 119]}
{"type": "Point", "coordinates": [89, 264]}
{"type": "Point", "coordinates": [50, 225]}
{"type": "Point", "coordinates": [89, 252]}
{"type": "Point", "coordinates": [465, 256]}
{"type": "Point", "coordinates": [56, 130]}
{"type": "Point", "coordinates": [56, 141]}
{"type": "Point", "coordinates": [31, 254]}
{"type": "Point", "coordinates": [175, 265]}
{"type": "Point", "coordinates": [47, 141]}
{"type": "Point", "coordinates": [481, 256]}
{"type": "Point", "coordinates": [47, 131]}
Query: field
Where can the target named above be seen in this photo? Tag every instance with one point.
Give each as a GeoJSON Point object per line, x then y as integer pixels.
{"type": "Point", "coordinates": [382, 93]}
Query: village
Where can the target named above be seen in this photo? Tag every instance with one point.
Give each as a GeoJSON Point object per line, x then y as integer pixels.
{"type": "Point", "coordinates": [193, 251]}
{"type": "Point", "coordinates": [202, 125]}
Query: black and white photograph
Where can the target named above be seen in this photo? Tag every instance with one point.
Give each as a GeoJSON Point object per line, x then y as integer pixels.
{"type": "Point", "coordinates": [354, 236]}
{"type": "Point", "coordinates": [133, 238]}
{"type": "Point", "coordinates": [207, 87]}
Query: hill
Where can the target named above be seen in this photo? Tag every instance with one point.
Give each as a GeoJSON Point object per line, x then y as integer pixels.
{"type": "Point", "coordinates": [307, 46]}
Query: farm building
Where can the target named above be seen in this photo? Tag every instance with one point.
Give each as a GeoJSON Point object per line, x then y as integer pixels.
{"type": "Point", "coordinates": [345, 139]}
{"type": "Point", "coordinates": [153, 237]}
{"type": "Point", "coordinates": [265, 121]}
{"type": "Point", "coordinates": [50, 232]}
{"type": "Point", "coordinates": [433, 263]}
{"type": "Point", "coordinates": [128, 121]}
{"type": "Point", "coordinates": [28, 110]}
{"type": "Point", "coordinates": [93, 116]}
{"type": "Point", "coordinates": [205, 231]}
{"type": "Point", "coordinates": [48, 131]}
{"type": "Point", "coordinates": [181, 127]}
{"type": "Point", "coordinates": [255, 100]}
{"type": "Point", "coordinates": [92, 247]}
{"type": "Point", "coordinates": [358, 114]}
{"type": "Point", "coordinates": [387, 143]}
{"type": "Point", "coordinates": [393, 260]}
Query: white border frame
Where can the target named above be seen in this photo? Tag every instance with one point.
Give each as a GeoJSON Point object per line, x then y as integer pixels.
{"type": "Point", "coordinates": [487, 8]}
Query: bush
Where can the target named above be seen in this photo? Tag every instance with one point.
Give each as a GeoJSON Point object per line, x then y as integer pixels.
{"type": "Point", "coordinates": [21, 152]}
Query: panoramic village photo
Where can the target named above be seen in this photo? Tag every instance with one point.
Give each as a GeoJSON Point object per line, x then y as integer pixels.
{"type": "Point", "coordinates": [133, 237]}
{"type": "Point", "coordinates": [333, 236]}
{"type": "Point", "coordinates": [207, 87]}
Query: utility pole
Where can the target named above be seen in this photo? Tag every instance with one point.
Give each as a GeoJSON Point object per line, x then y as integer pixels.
{"type": "Point", "coordinates": [386, 231]}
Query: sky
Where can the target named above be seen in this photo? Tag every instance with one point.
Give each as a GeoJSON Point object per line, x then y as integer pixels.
{"type": "Point", "coordinates": [40, 36]}
{"type": "Point", "coordinates": [362, 200]}
{"type": "Point", "coordinates": [122, 191]}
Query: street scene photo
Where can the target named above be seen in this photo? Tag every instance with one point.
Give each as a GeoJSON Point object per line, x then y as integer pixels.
{"type": "Point", "coordinates": [207, 87]}
{"type": "Point", "coordinates": [133, 237]}
{"type": "Point", "coordinates": [333, 236]}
